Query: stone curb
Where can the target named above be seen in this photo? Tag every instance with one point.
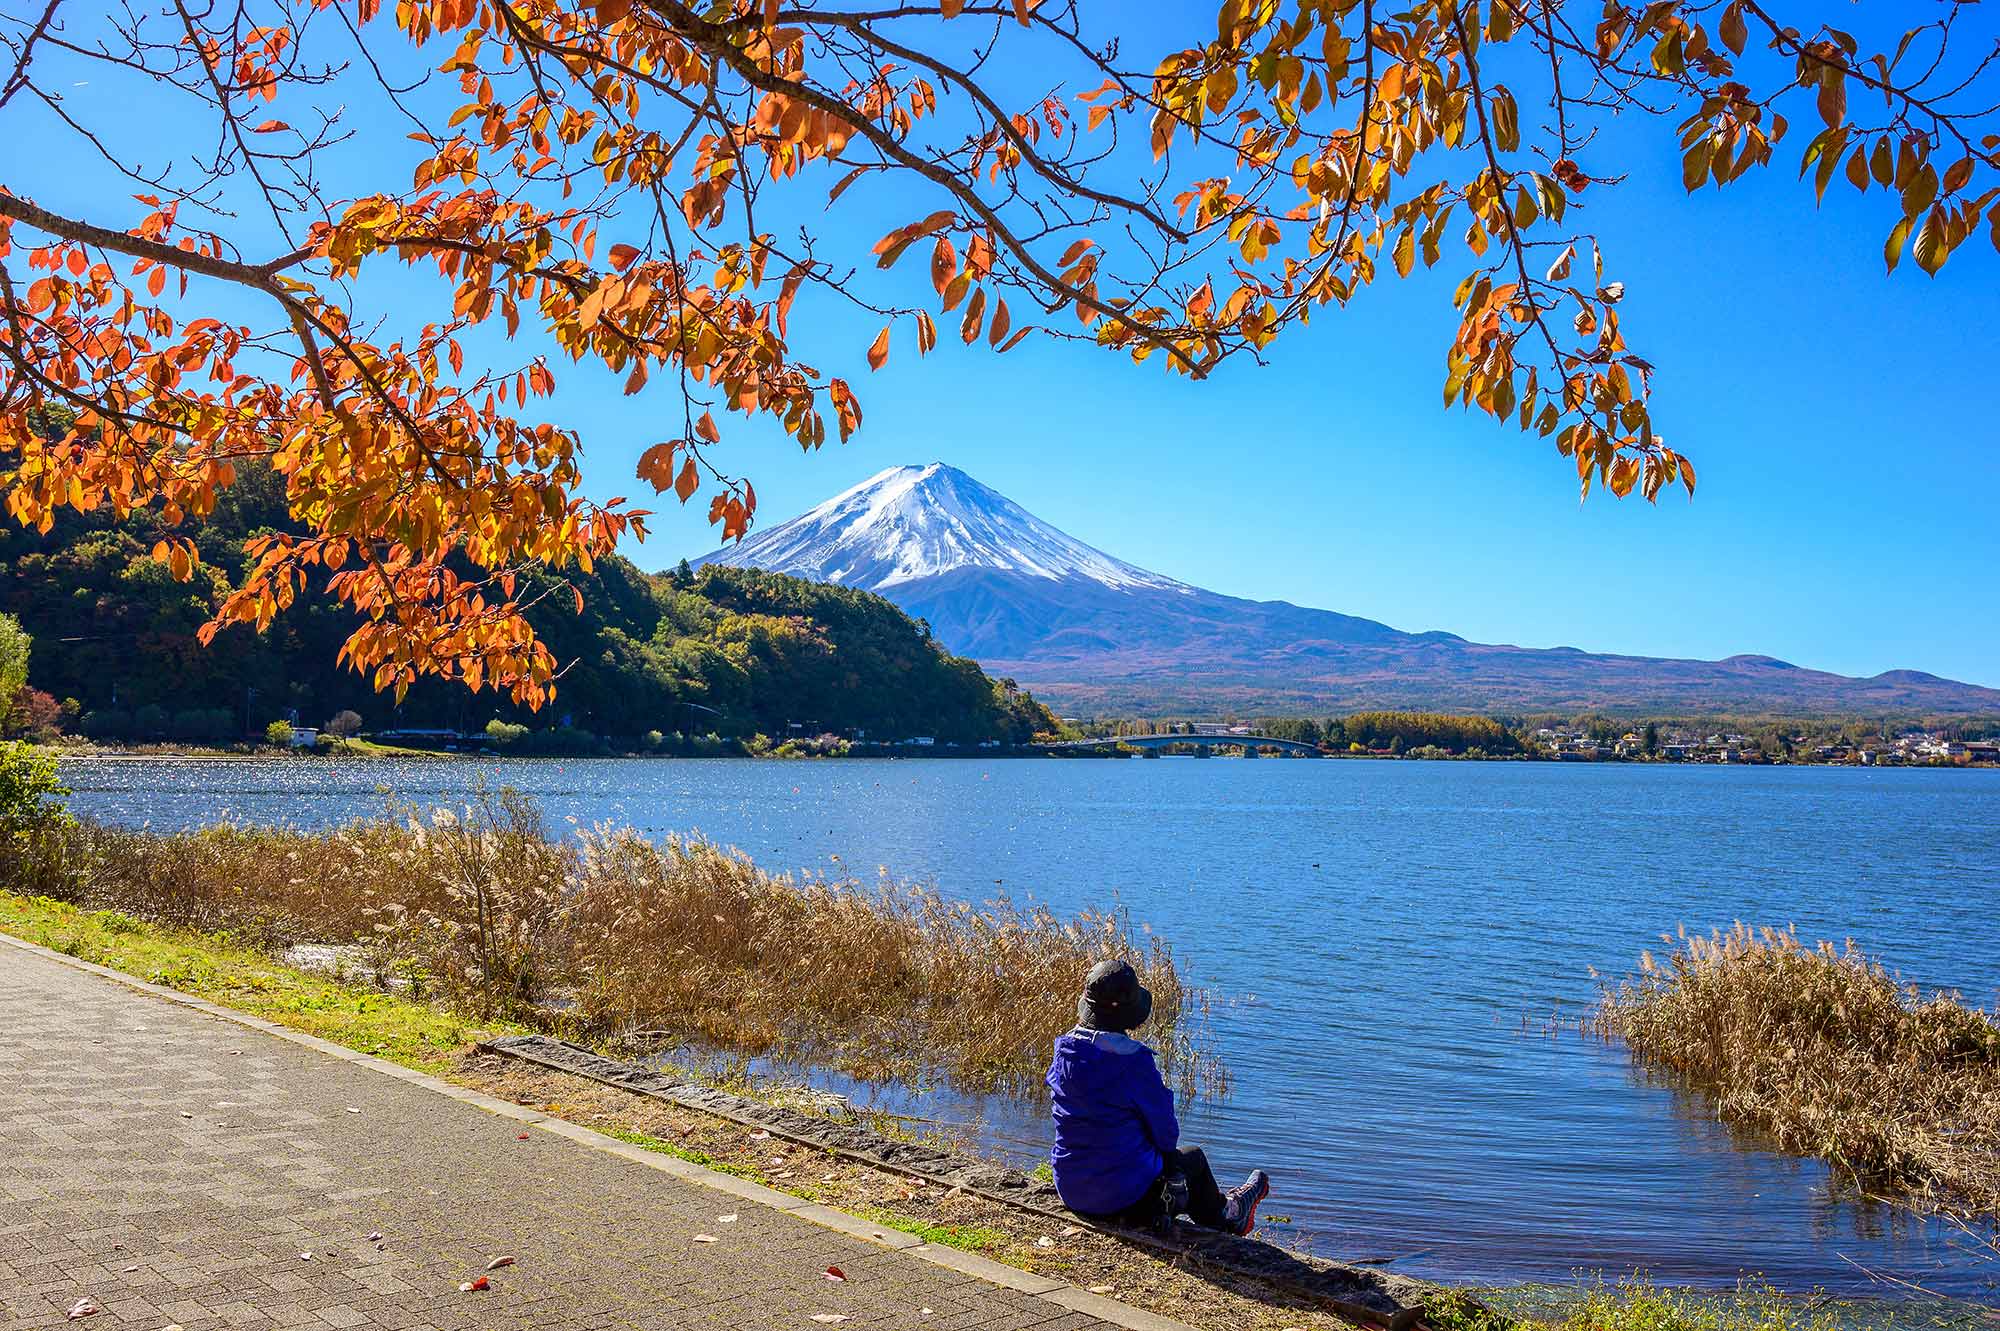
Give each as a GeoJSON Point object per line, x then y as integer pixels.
{"type": "Point", "coordinates": [1062, 1295]}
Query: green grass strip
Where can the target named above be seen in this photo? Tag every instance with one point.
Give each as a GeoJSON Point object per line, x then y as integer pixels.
{"type": "Point", "coordinates": [214, 967]}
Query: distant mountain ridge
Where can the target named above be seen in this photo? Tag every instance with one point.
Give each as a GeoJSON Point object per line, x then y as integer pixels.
{"type": "Point", "coordinates": [1085, 629]}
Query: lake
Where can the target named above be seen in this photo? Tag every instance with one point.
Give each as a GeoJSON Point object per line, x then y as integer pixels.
{"type": "Point", "coordinates": [1385, 941]}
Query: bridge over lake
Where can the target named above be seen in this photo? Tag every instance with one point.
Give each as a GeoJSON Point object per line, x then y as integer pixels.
{"type": "Point", "coordinates": [1205, 741]}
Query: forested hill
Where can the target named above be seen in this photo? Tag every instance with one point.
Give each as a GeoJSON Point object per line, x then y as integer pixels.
{"type": "Point", "coordinates": [115, 632]}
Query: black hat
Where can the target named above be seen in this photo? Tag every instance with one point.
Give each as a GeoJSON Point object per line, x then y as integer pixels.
{"type": "Point", "coordinates": [1113, 999]}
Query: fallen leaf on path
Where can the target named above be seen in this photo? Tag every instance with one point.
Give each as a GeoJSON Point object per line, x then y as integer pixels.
{"type": "Point", "coordinates": [1070, 1231]}
{"type": "Point", "coordinates": [130, 1269]}
{"type": "Point", "coordinates": [1045, 1242]}
{"type": "Point", "coordinates": [523, 1137]}
{"type": "Point", "coordinates": [83, 1308]}
{"type": "Point", "coordinates": [375, 1237]}
{"type": "Point", "coordinates": [706, 1238]}
{"type": "Point", "coordinates": [835, 1273]}
{"type": "Point", "coordinates": [352, 1110]}
{"type": "Point", "coordinates": [1100, 1289]}
{"type": "Point", "coordinates": [729, 1219]}
{"type": "Point", "coordinates": [760, 1135]}
{"type": "Point", "coordinates": [499, 1262]}
{"type": "Point", "coordinates": [305, 1257]}
{"type": "Point", "coordinates": [185, 1114]}
{"type": "Point", "coordinates": [829, 1318]}
{"type": "Point", "coordinates": [470, 1285]}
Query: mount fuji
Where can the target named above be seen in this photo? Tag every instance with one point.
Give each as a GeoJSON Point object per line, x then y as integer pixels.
{"type": "Point", "coordinates": [1085, 629]}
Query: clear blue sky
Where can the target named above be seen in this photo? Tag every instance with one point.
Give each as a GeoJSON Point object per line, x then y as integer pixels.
{"type": "Point", "coordinates": [1848, 515]}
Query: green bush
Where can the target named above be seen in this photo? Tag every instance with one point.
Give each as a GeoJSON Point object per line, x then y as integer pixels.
{"type": "Point", "coordinates": [279, 733]}
{"type": "Point", "coordinates": [30, 789]}
{"type": "Point", "coordinates": [36, 854]}
{"type": "Point", "coordinates": [501, 735]}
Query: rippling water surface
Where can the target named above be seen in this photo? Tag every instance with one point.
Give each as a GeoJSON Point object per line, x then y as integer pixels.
{"type": "Point", "coordinates": [1385, 941]}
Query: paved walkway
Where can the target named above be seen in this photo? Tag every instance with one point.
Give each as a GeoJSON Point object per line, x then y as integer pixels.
{"type": "Point", "coordinates": [177, 1169]}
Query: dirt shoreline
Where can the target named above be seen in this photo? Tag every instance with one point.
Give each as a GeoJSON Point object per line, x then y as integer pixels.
{"type": "Point", "coordinates": [1354, 1293]}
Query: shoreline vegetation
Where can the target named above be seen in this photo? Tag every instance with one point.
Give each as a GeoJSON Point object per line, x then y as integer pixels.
{"type": "Point", "coordinates": [453, 928]}
{"type": "Point", "coordinates": [1941, 744]}
{"type": "Point", "coordinates": [603, 935]}
{"type": "Point", "coordinates": [1825, 1053]}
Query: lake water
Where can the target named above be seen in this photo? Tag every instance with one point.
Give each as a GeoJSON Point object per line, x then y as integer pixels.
{"type": "Point", "coordinates": [1386, 941]}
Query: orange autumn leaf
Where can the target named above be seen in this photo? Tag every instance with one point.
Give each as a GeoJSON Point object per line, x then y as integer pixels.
{"type": "Point", "coordinates": [391, 358]}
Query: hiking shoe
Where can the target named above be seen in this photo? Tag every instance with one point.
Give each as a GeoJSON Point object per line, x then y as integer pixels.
{"type": "Point", "coordinates": [1239, 1204]}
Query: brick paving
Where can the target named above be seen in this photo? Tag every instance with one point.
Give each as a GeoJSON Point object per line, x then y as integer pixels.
{"type": "Point", "coordinates": [180, 1170]}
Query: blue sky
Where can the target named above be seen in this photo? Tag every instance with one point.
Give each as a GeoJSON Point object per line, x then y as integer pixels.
{"type": "Point", "coordinates": [1848, 515]}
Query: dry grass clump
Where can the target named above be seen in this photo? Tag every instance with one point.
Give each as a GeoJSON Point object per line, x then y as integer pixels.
{"type": "Point", "coordinates": [696, 939]}
{"type": "Point", "coordinates": [607, 933]}
{"type": "Point", "coordinates": [1830, 1055]}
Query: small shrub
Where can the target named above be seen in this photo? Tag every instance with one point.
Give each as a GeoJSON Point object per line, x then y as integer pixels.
{"type": "Point", "coordinates": [31, 791]}
{"type": "Point", "coordinates": [38, 853]}
{"type": "Point", "coordinates": [494, 937]}
{"type": "Point", "coordinates": [34, 715]}
{"type": "Point", "coordinates": [502, 735]}
{"type": "Point", "coordinates": [344, 724]}
{"type": "Point", "coordinates": [279, 734]}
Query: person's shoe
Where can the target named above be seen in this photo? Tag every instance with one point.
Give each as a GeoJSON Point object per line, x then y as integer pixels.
{"type": "Point", "coordinates": [1239, 1204]}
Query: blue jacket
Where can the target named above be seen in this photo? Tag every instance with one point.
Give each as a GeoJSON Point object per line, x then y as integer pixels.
{"type": "Point", "coordinates": [1114, 1120]}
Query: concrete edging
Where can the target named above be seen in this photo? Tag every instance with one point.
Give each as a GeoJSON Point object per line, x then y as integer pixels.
{"type": "Point", "coordinates": [1060, 1293]}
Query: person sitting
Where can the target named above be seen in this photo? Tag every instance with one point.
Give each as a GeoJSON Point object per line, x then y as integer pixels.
{"type": "Point", "coordinates": [1117, 1153]}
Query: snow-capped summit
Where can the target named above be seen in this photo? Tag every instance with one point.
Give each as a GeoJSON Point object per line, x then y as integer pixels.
{"type": "Point", "coordinates": [910, 523]}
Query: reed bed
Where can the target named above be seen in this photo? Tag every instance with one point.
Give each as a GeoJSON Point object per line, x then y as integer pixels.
{"type": "Point", "coordinates": [1828, 1054]}
{"type": "Point", "coordinates": [604, 934]}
